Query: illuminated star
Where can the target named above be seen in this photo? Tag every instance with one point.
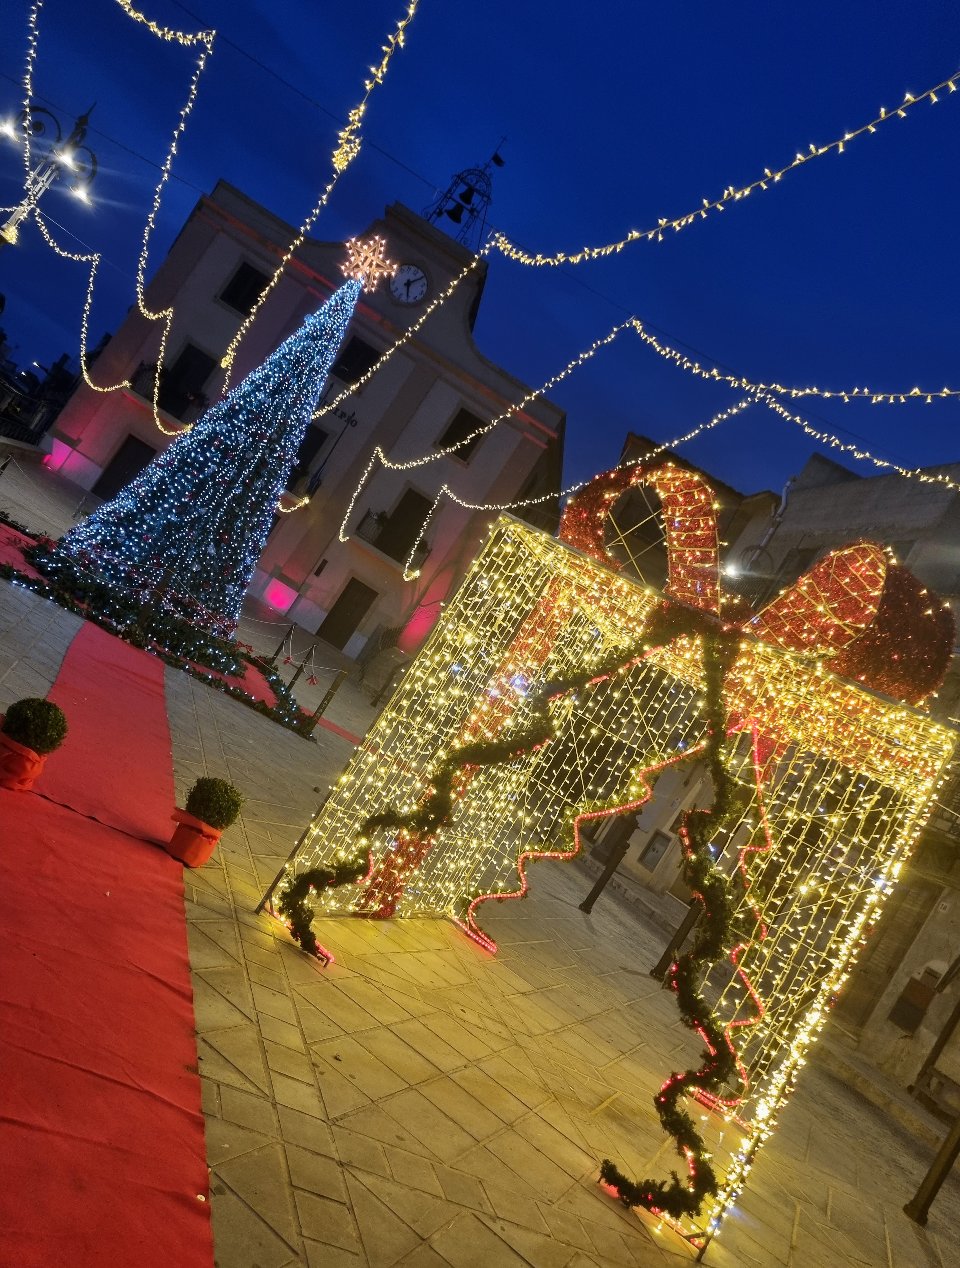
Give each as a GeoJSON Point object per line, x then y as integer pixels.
{"type": "Point", "coordinates": [366, 262]}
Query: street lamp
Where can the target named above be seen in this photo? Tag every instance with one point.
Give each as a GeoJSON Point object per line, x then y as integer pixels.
{"type": "Point", "coordinates": [71, 157]}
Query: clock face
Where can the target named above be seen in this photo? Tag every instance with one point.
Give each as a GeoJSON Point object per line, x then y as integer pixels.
{"type": "Point", "coordinates": [409, 284]}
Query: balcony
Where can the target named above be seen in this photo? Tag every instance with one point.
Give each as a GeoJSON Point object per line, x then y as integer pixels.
{"type": "Point", "coordinates": [392, 540]}
{"type": "Point", "coordinates": [173, 398]}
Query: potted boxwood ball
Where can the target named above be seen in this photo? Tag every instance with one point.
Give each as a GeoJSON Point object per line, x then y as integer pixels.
{"type": "Point", "coordinates": [212, 806]}
{"type": "Point", "coordinates": [31, 729]}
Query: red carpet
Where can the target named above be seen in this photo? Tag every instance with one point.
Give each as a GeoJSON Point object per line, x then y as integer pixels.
{"type": "Point", "coordinates": [102, 1157]}
{"type": "Point", "coordinates": [116, 765]}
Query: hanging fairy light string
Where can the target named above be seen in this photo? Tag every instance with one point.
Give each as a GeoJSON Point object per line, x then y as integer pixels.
{"type": "Point", "coordinates": [186, 38]}
{"type": "Point", "coordinates": [407, 335]}
{"type": "Point", "coordinates": [732, 194]}
{"type": "Point", "coordinates": [857, 451]}
{"type": "Point", "coordinates": [741, 383]}
{"type": "Point", "coordinates": [92, 259]}
{"type": "Point", "coordinates": [511, 412]}
{"type": "Point", "coordinates": [349, 141]}
{"type": "Point", "coordinates": [410, 573]}
{"type": "Point", "coordinates": [165, 315]}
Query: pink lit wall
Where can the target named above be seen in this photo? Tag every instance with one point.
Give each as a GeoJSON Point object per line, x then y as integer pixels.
{"type": "Point", "coordinates": [279, 596]}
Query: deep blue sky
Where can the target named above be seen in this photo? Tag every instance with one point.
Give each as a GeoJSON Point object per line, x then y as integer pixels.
{"type": "Point", "coordinates": [616, 113]}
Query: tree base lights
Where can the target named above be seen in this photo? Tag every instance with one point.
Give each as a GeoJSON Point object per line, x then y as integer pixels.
{"type": "Point", "coordinates": [554, 691]}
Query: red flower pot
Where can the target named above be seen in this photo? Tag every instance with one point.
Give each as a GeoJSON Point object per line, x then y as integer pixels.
{"type": "Point", "coordinates": [193, 841]}
{"type": "Point", "coordinates": [19, 766]}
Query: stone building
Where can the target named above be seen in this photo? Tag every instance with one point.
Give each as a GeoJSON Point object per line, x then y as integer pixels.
{"type": "Point", "coordinates": [432, 393]}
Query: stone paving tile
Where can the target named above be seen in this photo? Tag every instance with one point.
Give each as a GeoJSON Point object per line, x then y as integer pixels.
{"type": "Point", "coordinates": [463, 1123]}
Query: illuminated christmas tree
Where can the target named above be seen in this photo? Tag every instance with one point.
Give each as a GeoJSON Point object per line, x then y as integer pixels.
{"type": "Point", "coordinates": [192, 524]}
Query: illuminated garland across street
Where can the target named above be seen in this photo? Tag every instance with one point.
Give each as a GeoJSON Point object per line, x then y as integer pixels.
{"type": "Point", "coordinates": [92, 259]}
{"type": "Point", "coordinates": [764, 393]}
{"type": "Point", "coordinates": [348, 146]}
{"type": "Point", "coordinates": [550, 696]}
{"type": "Point", "coordinates": [741, 383]}
{"type": "Point", "coordinates": [730, 195]}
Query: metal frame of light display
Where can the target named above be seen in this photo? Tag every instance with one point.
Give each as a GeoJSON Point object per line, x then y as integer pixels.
{"type": "Point", "coordinates": [544, 699]}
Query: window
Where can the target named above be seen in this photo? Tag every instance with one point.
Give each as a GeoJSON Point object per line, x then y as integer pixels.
{"type": "Point", "coordinates": [181, 384]}
{"type": "Point", "coordinates": [244, 288]}
{"type": "Point", "coordinates": [355, 359]}
{"type": "Point", "coordinates": [402, 526]}
{"type": "Point", "coordinates": [310, 446]}
{"type": "Point", "coordinates": [654, 850]}
{"type": "Point", "coordinates": [462, 425]}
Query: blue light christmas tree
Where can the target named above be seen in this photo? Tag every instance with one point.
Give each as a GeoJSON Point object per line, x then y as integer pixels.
{"type": "Point", "coordinates": [191, 526]}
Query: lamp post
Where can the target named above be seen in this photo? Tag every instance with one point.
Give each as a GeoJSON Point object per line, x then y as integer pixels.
{"type": "Point", "coordinates": [70, 156]}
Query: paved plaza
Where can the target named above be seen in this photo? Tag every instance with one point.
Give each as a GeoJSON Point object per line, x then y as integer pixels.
{"type": "Point", "coordinates": [423, 1103]}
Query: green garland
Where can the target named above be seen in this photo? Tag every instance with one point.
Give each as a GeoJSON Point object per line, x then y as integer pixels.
{"type": "Point", "coordinates": [677, 1197]}
{"type": "Point", "coordinates": [710, 886]}
{"type": "Point", "coordinates": [668, 623]}
{"type": "Point", "coordinates": [292, 903]}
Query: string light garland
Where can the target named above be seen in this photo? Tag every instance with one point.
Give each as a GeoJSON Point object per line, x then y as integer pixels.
{"type": "Point", "coordinates": [92, 259]}
{"type": "Point", "coordinates": [857, 451]}
{"type": "Point", "coordinates": [511, 411]}
{"type": "Point", "coordinates": [410, 573]}
{"type": "Point", "coordinates": [741, 383]}
{"type": "Point", "coordinates": [349, 141]}
{"type": "Point", "coordinates": [760, 391]}
{"type": "Point", "coordinates": [496, 749]}
{"type": "Point", "coordinates": [732, 194]}
{"type": "Point", "coordinates": [405, 338]}
{"type": "Point", "coordinates": [187, 38]}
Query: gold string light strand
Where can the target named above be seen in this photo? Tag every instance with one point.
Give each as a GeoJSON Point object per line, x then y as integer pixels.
{"type": "Point", "coordinates": [405, 338]}
{"type": "Point", "coordinates": [857, 451]}
{"type": "Point", "coordinates": [93, 259]}
{"type": "Point", "coordinates": [410, 573]}
{"type": "Point", "coordinates": [186, 38]}
{"type": "Point", "coordinates": [511, 411]}
{"type": "Point", "coordinates": [732, 194]}
{"type": "Point", "coordinates": [741, 383]}
{"type": "Point", "coordinates": [349, 141]}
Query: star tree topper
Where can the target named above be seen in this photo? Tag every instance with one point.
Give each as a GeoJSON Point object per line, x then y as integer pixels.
{"type": "Point", "coordinates": [366, 261]}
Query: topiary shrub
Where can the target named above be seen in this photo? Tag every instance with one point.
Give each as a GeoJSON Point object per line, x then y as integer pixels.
{"type": "Point", "coordinates": [36, 724]}
{"type": "Point", "coordinates": [214, 801]}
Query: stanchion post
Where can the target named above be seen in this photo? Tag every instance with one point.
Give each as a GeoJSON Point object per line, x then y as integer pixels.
{"type": "Point", "coordinates": [283, 642]}
{"type": "Point", "coordinates": [919, 1205]}
{"type": "Point", "coordinates": [308, 726]}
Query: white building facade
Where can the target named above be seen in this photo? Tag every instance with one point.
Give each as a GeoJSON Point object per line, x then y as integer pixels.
{"type": "Point", "coordinates": [434, 391]}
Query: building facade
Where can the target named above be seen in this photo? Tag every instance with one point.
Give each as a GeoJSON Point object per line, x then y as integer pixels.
{"type": "Point", "coordinates": [432, 393]}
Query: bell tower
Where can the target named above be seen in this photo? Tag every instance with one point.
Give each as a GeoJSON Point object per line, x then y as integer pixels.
{"type": "Point", "coordinates": [466, 202]}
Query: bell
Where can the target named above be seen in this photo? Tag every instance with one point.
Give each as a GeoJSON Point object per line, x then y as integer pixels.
{"type": "Point", "coordinates": [455, 213]}
{"type": "Point", "coordinates": [466, 195]}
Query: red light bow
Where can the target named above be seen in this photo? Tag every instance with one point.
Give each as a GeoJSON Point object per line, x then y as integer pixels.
{"type": "Point", "coordinates": [869, 618]}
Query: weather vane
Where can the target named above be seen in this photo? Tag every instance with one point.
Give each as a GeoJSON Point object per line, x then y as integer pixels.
{"type": "Point", "coordinates": [366, 262]}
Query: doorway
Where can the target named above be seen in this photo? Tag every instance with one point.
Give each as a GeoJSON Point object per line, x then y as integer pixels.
{"type": "Point", "coordinates": [129, 460]}
{"type": "Point", "coordinates": [346, 614]}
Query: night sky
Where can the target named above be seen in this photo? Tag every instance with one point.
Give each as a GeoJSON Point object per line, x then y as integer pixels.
{"type": "Point", "coordinates": [615, 114]}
